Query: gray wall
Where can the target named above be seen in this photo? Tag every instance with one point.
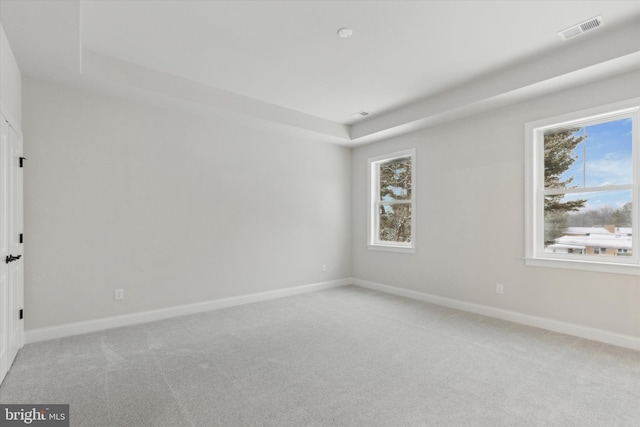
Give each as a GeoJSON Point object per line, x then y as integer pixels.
{"type": "Point", "coordinates": [470, 225]}
{"type": "Point", "coordinates": [10, 83]}
{"type": "Point", "coordinates": [177, 209]}
{"type": "Point", "coordinates": [173, 208]}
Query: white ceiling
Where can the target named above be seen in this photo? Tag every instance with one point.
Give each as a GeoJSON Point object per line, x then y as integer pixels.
{"type": "Point", "coordinates": [282, 62]}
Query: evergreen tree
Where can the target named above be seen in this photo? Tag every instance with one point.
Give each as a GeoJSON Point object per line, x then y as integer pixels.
{"type": "Point", "coordinates": [558, 158]}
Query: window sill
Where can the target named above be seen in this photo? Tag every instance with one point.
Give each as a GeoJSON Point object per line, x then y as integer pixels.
{"type": "Point", "coordinates": [392, 248]}
{"type": "Point", "coordinates": [597, 266]}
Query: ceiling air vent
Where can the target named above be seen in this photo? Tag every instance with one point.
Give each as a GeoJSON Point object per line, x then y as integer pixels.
{"type": "Point", "coordinates": [581, 28]}
{"type": "Point", "coordinates": [359, 114]}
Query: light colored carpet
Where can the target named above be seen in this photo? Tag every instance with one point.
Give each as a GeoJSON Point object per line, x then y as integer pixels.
{"type": "Point", "coordinates": [341, 357]}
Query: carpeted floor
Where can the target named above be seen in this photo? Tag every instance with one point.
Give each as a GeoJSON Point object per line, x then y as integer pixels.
{"type": "Point", "coordinates": [342, 357]}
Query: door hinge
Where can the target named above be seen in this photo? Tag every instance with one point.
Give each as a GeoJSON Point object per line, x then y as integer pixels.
{"type": "Point", "coordinates": [21, 313]}
{"type": "Point", "coordinates": [22, 159]}
{"type": "Point", "coordinates": [21, 238]}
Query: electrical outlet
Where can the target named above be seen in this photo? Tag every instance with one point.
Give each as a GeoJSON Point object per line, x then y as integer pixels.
{"type": "Point", "coordinates": [324, 267]}
{"type": "Point", "coordinates": [500, 288]}
{"type": "Point", "coordinates": [119, 294]}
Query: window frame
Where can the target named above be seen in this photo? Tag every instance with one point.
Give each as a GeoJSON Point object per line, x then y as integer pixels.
{"type": "Point", "coordinates": [535, 191]}
{"type": "Point", "coordinates": [373, 234]}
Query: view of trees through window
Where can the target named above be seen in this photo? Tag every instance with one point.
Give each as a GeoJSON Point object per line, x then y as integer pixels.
{"type": "Point", "coordinates": [394, 206]}
{"type": "Point", "coordinates": [588, 179]}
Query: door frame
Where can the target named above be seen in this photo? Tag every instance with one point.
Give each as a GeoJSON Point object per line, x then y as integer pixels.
{"type": "Point", "coordinates": [11, 300]}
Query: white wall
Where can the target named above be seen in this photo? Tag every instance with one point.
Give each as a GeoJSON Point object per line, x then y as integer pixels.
{"type": "Point", "coordinates": [176, 209]}
{"type": "Point", "coordinates": [10, 83]}
{"type": "Point", "coordinates": [173, 208]}
{"type": "Point", "coordinates": [470, 225]}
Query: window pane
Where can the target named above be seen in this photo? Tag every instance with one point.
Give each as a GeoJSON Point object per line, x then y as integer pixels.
{"type": "Point", "coordinates": [595, 223]}
{"type": "Point", "coordinates": [590, 156]}
{"type": "Point", "coordinates": [395, 179]}
{"type": "Point", "coordinates": [395, 223]}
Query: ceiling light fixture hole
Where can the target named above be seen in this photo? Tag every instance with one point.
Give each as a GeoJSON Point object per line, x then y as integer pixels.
{"type": "Point", "coordinates": [345, 33]}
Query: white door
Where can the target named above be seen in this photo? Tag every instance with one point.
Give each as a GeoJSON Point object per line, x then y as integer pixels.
{"type": "Point", "coordinates": [4, 248]}
{"type": "Point", "coordinates": [12, 266]}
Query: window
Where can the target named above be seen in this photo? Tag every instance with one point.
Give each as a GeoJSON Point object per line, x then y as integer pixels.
{"type": "Point", "coordinates": [392, 202]}
{"type": "Point", "coordinates": [582, 185]}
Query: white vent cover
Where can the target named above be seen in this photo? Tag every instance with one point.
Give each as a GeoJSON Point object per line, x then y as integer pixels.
{"type": "Point", "coordinates": [581, 28]}
{"type": "Point", "coordinates": [359, 114]}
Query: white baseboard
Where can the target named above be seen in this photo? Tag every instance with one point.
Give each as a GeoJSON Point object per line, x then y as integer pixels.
{"type": "Point", "coordinates": [587, 332]}
{"type": "Point", "coordinates": [96, 325]}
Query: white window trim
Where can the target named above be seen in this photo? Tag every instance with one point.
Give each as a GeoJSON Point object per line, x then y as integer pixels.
{"type": "Point", "coordinates": [534, 208]}
{"type": "Point", "coordinates": [372, 241]}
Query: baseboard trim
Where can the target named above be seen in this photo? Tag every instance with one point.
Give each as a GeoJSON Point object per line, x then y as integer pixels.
{"type": "Point", "coordinates": [586, 332]}
{"type": "Point", "coordinates": [78, 328]}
